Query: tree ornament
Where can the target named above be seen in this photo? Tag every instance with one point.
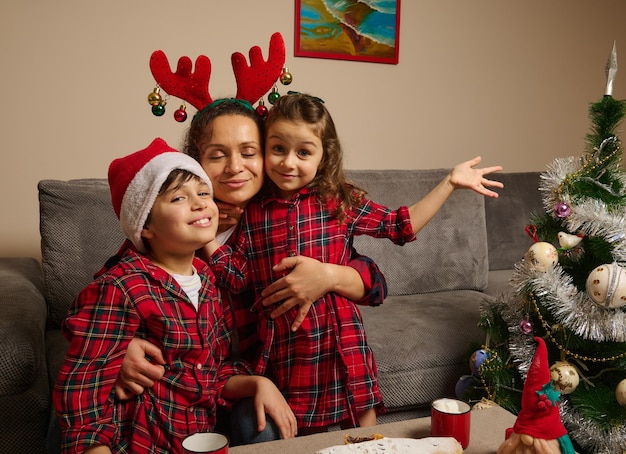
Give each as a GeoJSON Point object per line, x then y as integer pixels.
{"type": "Point", "coordinates": [154, 97]}
{"type": "Point", "coordinates": [526, 326]}
{"type": "Point", "coordinates": [542, 256]}
{"type": "Point", "coordinates": [620, 393]}
{"type": "Point", "coordinates": [568, 241]}
{"type": "Point", "coordinates": [159, 109]}
{"type": "Point", "coordinates": [564, 377]}
{"type": "Point", "coordinates": [285, 77]}
{"type": "Point", "coordinates": [261, 110]}
{"type": "Point", "coordinates": [562, 210]}
{"type": "Point", "coordinates": [477, 359]}
{"type": "Point", "coordinates": [180, 114]}
{"type": "Point", "coordinates": [606, 285]}
{"type": "Point", "coordinates": [273, 96]}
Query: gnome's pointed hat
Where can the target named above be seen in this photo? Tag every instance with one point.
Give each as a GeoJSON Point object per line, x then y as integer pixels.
{"type": "Point", "coordinates": [539, 416]}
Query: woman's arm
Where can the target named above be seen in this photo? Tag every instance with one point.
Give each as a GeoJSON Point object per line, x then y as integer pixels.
{"type": "Point", "coordinates": [141, 368]}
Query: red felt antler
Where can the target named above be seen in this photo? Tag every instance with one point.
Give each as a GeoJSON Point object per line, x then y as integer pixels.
{"type": "Point", "coordinates": [257, 79]}
{"type": "Point", "coordinates": [193, 86]}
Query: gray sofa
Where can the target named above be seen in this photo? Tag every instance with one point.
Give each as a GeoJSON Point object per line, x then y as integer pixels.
{"type": "Point", "coordinates": [421, 335]}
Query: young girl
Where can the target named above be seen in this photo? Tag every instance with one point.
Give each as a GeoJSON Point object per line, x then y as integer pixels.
{"type": "Point", "coordinates": [326, 369]}
{"type": "Point", "coordinates": [161, 292]}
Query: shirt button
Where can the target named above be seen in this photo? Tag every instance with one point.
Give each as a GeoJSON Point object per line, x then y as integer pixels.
{"type": "Point", "coordinates": [199, 366]}
{"type": "Point", "coordinates": [292, 254]}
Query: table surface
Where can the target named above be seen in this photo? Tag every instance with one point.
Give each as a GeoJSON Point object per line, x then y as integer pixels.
{"type": "Point", "coordinates": [487, 433]}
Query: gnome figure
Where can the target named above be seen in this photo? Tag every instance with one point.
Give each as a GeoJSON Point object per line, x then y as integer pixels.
{"type": "Point", "coordinates": [538, 427]}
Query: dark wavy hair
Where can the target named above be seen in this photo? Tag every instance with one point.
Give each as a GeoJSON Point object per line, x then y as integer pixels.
{"type": "Point", "coordinates": [330, 181]}
{"type": "Point", "coordinates": [201, 127]}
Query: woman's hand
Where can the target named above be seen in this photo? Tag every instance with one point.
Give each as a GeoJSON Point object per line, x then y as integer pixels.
{"type": "Point", "coordinates": [229, 214]}
{"type": "Point", "coordinates": [308, 280]}
{"type": "Point", "coordinates": [141, 368]}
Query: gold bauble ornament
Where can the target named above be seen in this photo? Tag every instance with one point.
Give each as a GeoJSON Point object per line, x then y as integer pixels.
{"type": "Point", "coordinates": [285, 77]}
{"type": "Point", "coordinates": [564, 376]}
{"type": "Point", "coordinates": [154, 97]}
{"type": "Point", "coordinates": [620, 393]}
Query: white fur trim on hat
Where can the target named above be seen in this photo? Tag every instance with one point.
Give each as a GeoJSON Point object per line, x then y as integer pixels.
{"type": "Point", "coordinates": [143, 189]}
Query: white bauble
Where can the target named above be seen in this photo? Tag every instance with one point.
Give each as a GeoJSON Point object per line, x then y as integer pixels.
{"type": "Point", "coordinates": [542, 256]}
{"type": "Point", "coordinates": [564, 376]}
{"type": "Point", "coordinates": [620, 393]}
{"type": "Point", "coordinates": [606, 285]}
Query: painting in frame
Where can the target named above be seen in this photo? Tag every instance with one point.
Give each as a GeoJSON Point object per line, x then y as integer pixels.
{"type": "Point", "coordinates": [360, 30]}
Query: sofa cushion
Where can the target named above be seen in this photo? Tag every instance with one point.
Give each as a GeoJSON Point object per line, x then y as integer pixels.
{"type": "Point", "coordinates": [79, 232]}
{"type": "Point", "coordinates": [421, 344]}
{"type": "Point", "coordinates": [454, 243]}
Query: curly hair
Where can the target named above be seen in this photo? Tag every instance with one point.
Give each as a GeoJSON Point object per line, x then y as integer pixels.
{"type": "Point", "coordinates": [330, 181]}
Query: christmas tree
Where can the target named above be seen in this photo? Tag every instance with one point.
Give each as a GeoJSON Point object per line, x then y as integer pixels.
{"type": "Point", "coordinates": [570, 290]}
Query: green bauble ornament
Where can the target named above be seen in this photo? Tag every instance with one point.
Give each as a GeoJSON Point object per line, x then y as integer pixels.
{"type": "Point", "coordinates": [273, 96]}
{"type": "Point", "coordinates": [158, 110]}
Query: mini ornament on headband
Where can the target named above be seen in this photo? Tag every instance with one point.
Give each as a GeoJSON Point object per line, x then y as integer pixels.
{"type": "Point", "coordinates": [192, 84]}
{"type": "Point", "coordinates": [157, 102]}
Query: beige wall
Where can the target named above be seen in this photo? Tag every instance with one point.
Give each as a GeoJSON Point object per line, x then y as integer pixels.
{"type": "Point", "coordinates": [510, 80]}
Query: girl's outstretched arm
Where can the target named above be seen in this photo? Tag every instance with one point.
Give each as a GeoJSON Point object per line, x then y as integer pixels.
{"type": "Point", "coordinates": [462, 176]}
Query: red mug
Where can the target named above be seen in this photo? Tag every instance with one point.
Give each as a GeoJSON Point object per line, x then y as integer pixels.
{"type": "Point", "coordinates": [451, 418]}
{"type": "Point", "coordinates": [205, 443]}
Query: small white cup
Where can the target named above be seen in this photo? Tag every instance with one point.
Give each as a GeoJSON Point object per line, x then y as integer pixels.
{"type": "Point", "coordinates": [205, 443]}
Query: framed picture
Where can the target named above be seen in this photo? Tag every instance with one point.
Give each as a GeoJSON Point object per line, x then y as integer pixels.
{"type": "Point", "coordinates": [348, 30]}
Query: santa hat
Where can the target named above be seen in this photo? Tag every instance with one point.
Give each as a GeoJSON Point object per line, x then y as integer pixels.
{"type": "Point", "coordinates": [135, 181]}
{"type": "Point", "coordinates": [539, 416]}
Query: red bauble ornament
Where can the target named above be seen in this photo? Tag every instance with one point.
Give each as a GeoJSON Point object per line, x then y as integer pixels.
{"type": "Point", "coordinates": [261, 110]}
{"type": "Point", "coordinates": [180, 115]}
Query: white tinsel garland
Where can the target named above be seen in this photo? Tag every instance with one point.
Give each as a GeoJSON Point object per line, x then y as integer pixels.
{"type": "Point", "coordinates": [574, 309]}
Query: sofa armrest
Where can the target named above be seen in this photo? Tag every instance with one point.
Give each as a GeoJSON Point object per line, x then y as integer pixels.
{"type": "Point", "coordinates": [22, 325]}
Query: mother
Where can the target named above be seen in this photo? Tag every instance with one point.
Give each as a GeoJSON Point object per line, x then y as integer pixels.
{"type": "Point", "coordinates": [226, 137]}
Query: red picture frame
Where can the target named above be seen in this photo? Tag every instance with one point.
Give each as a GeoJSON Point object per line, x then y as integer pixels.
{"type": "Point", "coordinates": [348, 30]}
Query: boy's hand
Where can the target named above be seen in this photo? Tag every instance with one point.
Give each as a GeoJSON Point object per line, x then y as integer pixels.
{"type": "Point", "coordinates": [464, 176]}
{"type": "Point", "coordinates": [138, 372]}
{"type": "Point", "coordinates": [269, 400]}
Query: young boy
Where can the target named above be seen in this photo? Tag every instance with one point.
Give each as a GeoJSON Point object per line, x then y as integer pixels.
{"type": "Point", "coordinates": [161, 292]}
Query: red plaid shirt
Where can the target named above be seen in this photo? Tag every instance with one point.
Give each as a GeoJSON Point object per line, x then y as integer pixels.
{"type": "Point", "coordinates": [326, 369]}
{"type": "Point", "coordinates": [136, 298]}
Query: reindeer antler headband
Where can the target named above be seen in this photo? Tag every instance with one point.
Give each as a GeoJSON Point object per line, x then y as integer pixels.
{"type": "Point", "coordinates": [192, 86]}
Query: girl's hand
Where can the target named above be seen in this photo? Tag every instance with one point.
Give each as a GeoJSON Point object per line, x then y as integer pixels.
{"type": "Point", "coordinates": [464, 176]}
{"type": "Point", "coordinates": [229, 214]}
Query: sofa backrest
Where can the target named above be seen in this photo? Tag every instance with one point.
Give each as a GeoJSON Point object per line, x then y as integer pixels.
{"type": "Point", "coordinates": [508, 215]}
{"type": "Point", "coordinates": [79, 232]}
{"type": "Point", "coordinates": [450, 252]}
